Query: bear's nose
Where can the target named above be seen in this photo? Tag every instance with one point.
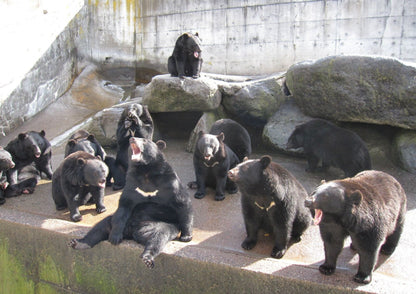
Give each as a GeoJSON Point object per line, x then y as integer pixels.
{"type": "Point", "coordinates": [232, 174]}
{"type": "Point", "coordinates": [308, 202]}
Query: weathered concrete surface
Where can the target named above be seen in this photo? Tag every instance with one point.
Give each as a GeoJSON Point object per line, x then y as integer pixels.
{"type": "Point", "coordinates": [33, 238]}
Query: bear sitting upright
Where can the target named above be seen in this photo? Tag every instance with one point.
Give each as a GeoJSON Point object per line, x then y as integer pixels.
{"type": "Point", "coordinates": [6, 163]}
{"type": "Point", "coordinates": [135, 121]}
{"type": "Point", "coordinates": [370, 208]}
{"type": "Point", "coordinates": [27, 148]}
{"type": "Point", "coordinates": [151, 179]}
{"type": "Point", "coordinates": [334, 146]}
{"type": "Point", "coordinates": [273, 200]}
{"type": "Point", "coordinates": [80, 176]}
{"type": "Point", "coordinates": [186, 58]}
{"type": "Point", "coordinates": [213, 157]}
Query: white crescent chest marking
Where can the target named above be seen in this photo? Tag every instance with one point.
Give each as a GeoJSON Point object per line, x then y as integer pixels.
{"type": "Point", "coordinates": [146, 194]}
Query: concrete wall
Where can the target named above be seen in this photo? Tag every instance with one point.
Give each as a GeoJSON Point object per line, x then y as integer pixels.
{"type": "Point", "coordinates": [250, 36]}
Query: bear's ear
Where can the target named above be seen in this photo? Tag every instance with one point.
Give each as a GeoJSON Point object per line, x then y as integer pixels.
{"type": "Point", "coordinates": [185, 36]}
{"type": "Point", "coordinates": [265, 161]}
{"type": "Point", "coordinates": [71, 143]}
{"type": "Point", "coordinates": [200, 134]}
{"type": "Point", "coordinates": [356, 197]}
{"type": "Point", "coordinates": [323, 182]}
{"type": "Point", "coordinates": [196, 34]}
{"type": "Point", "coordinates": [91, 137]}
{"type": "Point", "coordinates": [221, 137]}
{"type": "Point", "coordinates": [161, 144]}
{"type": "Point", "coordinates": [22, 136]}
{"type": "Point", "coordinates": [81, 161]}
{"type": "Point", "coordinates": [1, 148]}
{"type": "Point", "coordinates": [42, 133]}
{"type": "Point", "coordinates": [99, 157]}
{"type": "Point", "coordinates": [245, 158]}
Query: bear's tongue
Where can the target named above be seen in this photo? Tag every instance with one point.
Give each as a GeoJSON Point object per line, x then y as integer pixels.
{"type": "Point", "coordinates": [318, 216]}
{"type": "Point", "coordinates": [136, 152]}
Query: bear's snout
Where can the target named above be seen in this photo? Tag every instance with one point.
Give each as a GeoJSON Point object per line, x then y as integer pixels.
{"type": "Point", "coordinates": [309, 202]}
{"type": "Point", "coordinates": [233, 174]}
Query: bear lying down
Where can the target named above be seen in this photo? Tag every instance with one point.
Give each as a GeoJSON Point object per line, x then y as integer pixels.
{"type": "Point", "coordinates": [370, 208]}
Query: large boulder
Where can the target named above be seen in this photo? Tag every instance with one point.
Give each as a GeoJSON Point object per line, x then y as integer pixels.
{"type": "Point", "coordinates": [170, 94]}
{"type": "Point", "coordinates": [255, 101]}
{"type": "Point", "coordinates": [356, 89]}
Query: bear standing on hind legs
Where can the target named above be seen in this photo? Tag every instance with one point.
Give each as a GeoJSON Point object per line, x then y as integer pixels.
{"type": "Point", "coordinates": [186, 58]}
{"type": "Point", "coordinates": [370, 208]}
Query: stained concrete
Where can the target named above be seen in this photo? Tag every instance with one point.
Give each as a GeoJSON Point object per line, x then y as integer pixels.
{"type": "Point", "coordinates": [219, 228]}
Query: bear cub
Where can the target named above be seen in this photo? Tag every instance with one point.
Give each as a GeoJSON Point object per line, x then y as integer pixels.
{"type": "Point", "coordinates": [186, 60]}
{"type": "Point", "coordinates": [273, 200]}
{"type": "Point", "coordinates": [333, 146]}
{"type": "Point", "coordinates": [79, 177]}
{"type": "Point", "coordinates": [370, 208]}
{"type": "Point", "coordinates": [215, 154]}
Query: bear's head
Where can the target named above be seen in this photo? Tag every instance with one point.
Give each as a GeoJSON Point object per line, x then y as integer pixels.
{"type": "Point", "coordinates": [25, 147]}
{"type": "Point", "coordinates": [332, 200]}
{"type": "Point", "coordinates": [191, 43]}
{"type": "Point", "coordinates": [131, 116]}
{"type": "Point", "coordinates": [94, 170]}
{"type": "Point", "coordinates": [250, 171]}
{"type": "Point", "coordinates": [6, 161]}
{"type": "Point", "coordinates": [296, 139]}
{"type": "Point", "coordinates": [144, 151]}
{"type": "Point", "coordinates": [211, 147]}
{"type": "Point", "coordinates": [87, 144]}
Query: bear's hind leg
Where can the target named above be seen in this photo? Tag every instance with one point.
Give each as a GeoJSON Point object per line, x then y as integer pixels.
{"type": "Point", "coordinates": [391, 241]}
{"type": "Point", "coordinates": [97, 234]}
{"type": "Point", "coordinates": [366, 265]}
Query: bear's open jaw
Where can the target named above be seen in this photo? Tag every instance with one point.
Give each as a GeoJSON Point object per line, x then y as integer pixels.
{"type": "Point", "coordinates": [318, 216]}
{"type": "Point", "coordinates": [136, 152]}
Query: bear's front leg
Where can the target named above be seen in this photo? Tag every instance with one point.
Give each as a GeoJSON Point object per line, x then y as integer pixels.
{"type": "Point", "coordinates": [201, 175]}
{"type": "Point", "coordinates": [282, 233]}
{"type": "Point", "coordinates": [252, 222]}
{"type": "Point", "coordinates": [74, 211]}
{"type": "Point", "coordinates": [98, 196]}
{"type": "Point", "coordinates": [333, 236]}
{"type": "Point", "coordinates": [221, 181]}
{"type": "Point", "coordinates": [312, 163]}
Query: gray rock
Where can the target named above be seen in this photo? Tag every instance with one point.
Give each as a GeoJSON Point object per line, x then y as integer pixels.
{"type": "Point", "coordinates": [281, 125]}
{"type": "Point", "coordinates": [356, 89]}
{"type": "Point", "coordinates": [404, 147]}
{"type": "Point", "coordinates": [253, 101]}
{"type": "Point", "coordinates": [168, 94]}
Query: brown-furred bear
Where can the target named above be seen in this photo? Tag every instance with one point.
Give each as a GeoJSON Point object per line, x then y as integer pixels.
{"type": "Point", "coordinates": [135, 121]}
{"type": "Point", "coordinates": [151, 179]}
{"type": "Point", "coordinates": [213, 157]}
{"type": "Point", "coordinates": [79, 177]}
{"type": "Point", "coordinates": [370, 208]}
{"type": "Point", "coordinates": [273, 200]}
{"type": "Point", "coordinates": [333, 146]}
{"type": "Point", "coordinates": [186, 60]}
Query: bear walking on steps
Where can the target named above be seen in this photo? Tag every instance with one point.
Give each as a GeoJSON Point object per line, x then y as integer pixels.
{"type": "Point", "coordinates": [151, 179]}
{"type": "Point", "coordinates": [334, 146]}
{"type": "Point", "coordinates": [79, 177]}
{"type": "Point", "coordinates": [150, 224]}
{"type": "Point", "coordinates": [273, 200]}
{"type": "Point", "coordinates": [28, 148]}
{"type": "Point", "coordinates": [135, 121]}
{"type": "Point", "coordinates": [186, 58]}
{"type": "Point", "coordinates": [215, 154]}
{"type": "Point", "coordinates": [370, 208]}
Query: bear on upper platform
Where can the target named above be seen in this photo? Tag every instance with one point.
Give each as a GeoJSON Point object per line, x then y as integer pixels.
{"type": "Point", "coordinates": [186, 60]}
{"type": "Point", "coordinates": [370, 208]}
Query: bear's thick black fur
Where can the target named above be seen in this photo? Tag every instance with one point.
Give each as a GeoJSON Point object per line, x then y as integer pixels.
{"type": "Point", "coordinates": [273, 200]}
{"type": "Point", "coordinates": [334, 146]}
{"type": "Point", "coordinates": [6, 163]}
{"type": "Point", "coordinates": [27, 148]}
{"type": "Point", "coordinates": [151, 179]}
{"type": "Point", "coordinates": [135, 121]}
{"type": "Point", "coordinates": [80, 176]}
{"type": "Point", "coordinates": [150, 224]}
{"type": "Point", "coordinates": [370, 208]}
{"type": "Point", "coordinates": [28, 178]}
{"type": "Point", "coordinates": [186, 58]}
{"type": "Point", "coordinates": [214, 157]}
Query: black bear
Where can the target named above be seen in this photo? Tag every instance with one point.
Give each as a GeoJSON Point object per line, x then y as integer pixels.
{"type": "Point", "coordinates": [80, 176]}
{"type": "Point", "coordinates": [27, 148]}
{"type": "Point", "coordinates": [213, 157]}
{"type": "Point", "coordinates": [135, 121]}
{"type": "Point", "coordinates": [186, 58]}
{"type": "Point", "coordinates": [6, 163]}
{"type": "Point", "coordinates": [334, 146]}
{"type": "Point", "coordinates": [150, 224]}
{"type": "Point", "coordinates": [273, 200]}
{"type": "Point", "coordinates": [370, 208]}
{"type": "Point", "coordinates": [27, 179]}
{"type": "Point", "coordinates": [151, 179]}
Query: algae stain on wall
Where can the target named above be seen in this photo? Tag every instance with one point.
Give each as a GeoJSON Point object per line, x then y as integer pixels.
{"type": "Point", "coordinates": [13, 277]}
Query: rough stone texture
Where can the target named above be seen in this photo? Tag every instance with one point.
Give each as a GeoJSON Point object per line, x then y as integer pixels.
{"type": "Point", "coordinates": [253, 102]}
{"type": "Point", "coordinates": [167, 94]}
{"type": "Point", "coordinates": [356, 89]}
{"type": "Point", "coordinates": [404, 147]}
{"type": "Point", "coordinates": [281, 125]}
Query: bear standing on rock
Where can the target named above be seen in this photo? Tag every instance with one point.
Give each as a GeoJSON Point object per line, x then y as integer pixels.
{"type": "Point", "coordinates": [370, 208]}
{"type": "Point", "coordinates": [334, 146]}
{"type": "Point", "coordinates": [151, 181]}
{"type": "Point", "coordinates": [79, 177]}
{"type": "Point", "coordinates": [273, 200]}
{"type": "Point", "coordinates": [215, 154]}
{"type": "Point", "coordinates": [186, 58]}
